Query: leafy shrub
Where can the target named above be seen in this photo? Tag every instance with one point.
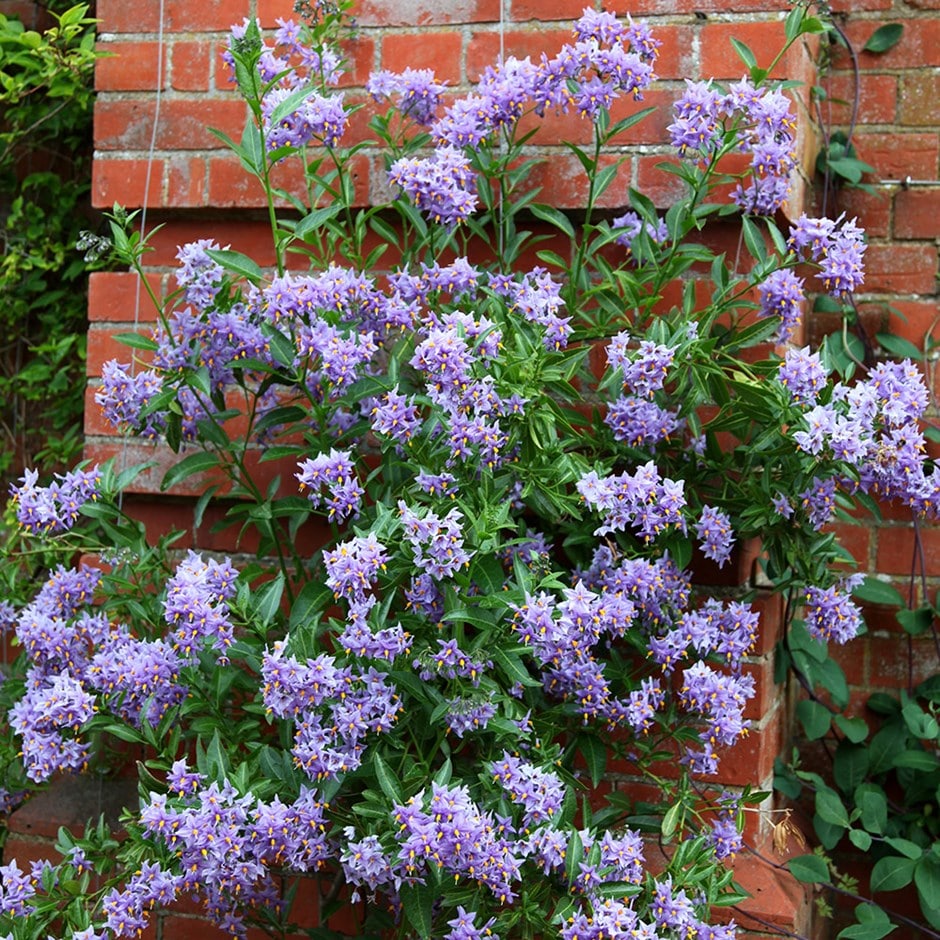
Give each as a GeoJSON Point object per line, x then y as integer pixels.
{"type": "Point", "coordinates": [509, 471]}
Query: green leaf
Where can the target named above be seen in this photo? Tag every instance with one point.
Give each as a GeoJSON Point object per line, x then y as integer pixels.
{"type": "Point", "coordinates": [316, 220]}
{"type": "Point", "coordinates": [809, 868]}
{"type": "Point", "coordinates": [831, 809]}
{"type": "Point", "coordinates": [921, 724]}
{"type": "Point", "coordinates": [308, 604]}
{"type": "Point", "coordinates": [187, 467]}
{"type": "Point", "coordinates": [873, 924]}
{"type": "Point", "coordinates": [814, 717]}
{"type": "Point", "coordinates": [594, 753]}
{"type": "Point", "coordinates": [850, 765]}
{"type": "Point", "coordinates": [874, 591]}
{"type": "Point", "coordinates": [927, 880]}
{"type": "Point", "coordinates": [855, 729]}
{"type": "Point", "coordinates": [744, 53]}
{"type": "Point", "coordinates": [236, 263]}
{"type": "Point", "coordinates": [266, 601]}
{"type": "Point", "coordinates": [136, 341]}
{"type": "Point", "coordinates": [418, 901]}
{"type": "Point", "coordinates": [389, 783]}
{"type": "Point", "coordinates": [553, 216]}
{"type": "Point", "coordinates": [671, 821]}
{"type": "Point", "coordinates": [916, 760]}
{"type": "Point", "coordinates": [884, 38]}
{"type": "Point", "coordinates": [899, 346]}
{"type": "Point", "coordinates": [916, 622]}
{"type": "Point", "coordinates": [891, 873]}
{"type": "Point", "coordinates": [872, 805]}
{"type": "Point", "coordinates": [906, 848]}
{"type": "Point", "coordinates": [860, 839]}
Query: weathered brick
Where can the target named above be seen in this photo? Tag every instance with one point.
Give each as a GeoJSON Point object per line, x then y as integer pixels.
{"type": "Point", "coordinates": [425, 12]}
{"type": "Point", "coordinates": [900, 269]}
{"type": "Point", "coordinates": [441, 51]}
{"type": "Point", "coordinates": [920, 99]}
{"type": "Point", "coordinates": [130, 65]}
{"type": "Point", "coordinates": [917, 214]}
{"type": "Point", "coordinates": [126, 181]}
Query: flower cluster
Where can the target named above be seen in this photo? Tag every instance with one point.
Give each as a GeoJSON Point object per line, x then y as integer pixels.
{"type": "Point", "coordinates": [56, 507]}
{"type": "Point", "coordinates": [442, 186]}
{"type": "Point", "coordinates": [336, 473]}
{"type": "Point", "coordinates": [763, 127]}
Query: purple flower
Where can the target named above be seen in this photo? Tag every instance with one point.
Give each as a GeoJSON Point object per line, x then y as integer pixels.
{"type": "Point", "coordinates": [353, 566]}
{"type": "Point", "coordinates": [540, 792]}
{"type": "Point", "coordinates": [463, 927]}
{"type": "Point", "coordinates": [643, 705]}
{"type": "Point", "coordinates": [831, 614]}
{"type": "Point", "coordinates": [124, 394]}
{"type": "Point", "coordinates": [198, 275]}
{"type": "Point", "coordinates": [697, 127]}
{"type": "Point", "coordinates": [335, 472]}
{"type": "Point", "coordinates": [715, 534]}
{"type": "Point", "coordinates": [781, 296]}
{"type": "Point", "coordinates": [396, 416]}
{"type": "Point", "coordinates": [640, 423]}
{"type": "Point", "coordinates": [630, 225]}
{"type": "Point", "coordinates": [419, 94]}
{"type": "Point", "coordinates": [317, 117]}
{"type": "Point", "coordinates": [440, 186]}
{"type": "Point", "coordinates": [437, 542]}
{"type": "Point", "coordinates": [802, 374]}
{"type": "Point", "coordinates": [724, 836]}
{"type": "Point", "coordinates": [196, 605]}
{"type": "Point", "coordinates": [16, 889]}
{"type": "Point", "coordinates": [53, 508]}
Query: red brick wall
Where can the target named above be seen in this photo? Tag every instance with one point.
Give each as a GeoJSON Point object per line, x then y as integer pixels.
{"type": "Point", "coordinates": [197, 189]}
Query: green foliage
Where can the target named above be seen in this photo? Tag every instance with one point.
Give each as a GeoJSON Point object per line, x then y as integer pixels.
{"type": "Point", "coordinates": [883, 791]}
{"type": "Point", "coordinates": [46, 99]}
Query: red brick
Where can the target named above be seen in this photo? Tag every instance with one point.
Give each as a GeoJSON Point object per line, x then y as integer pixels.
{"type": "Point", "coordinates": [126, 182]}
{"type": "Point", "coordinates": [920, 99]}
{"type": "Point", "coordinates": [877, 104]}
{"type": "Point", "coordinates": [895, 156]}
{"type": "Point", "coordinates": [651, 7]}
{"type": "Point", "coordinates": [425, 12]}
{"type": "Point", "coordinates": [916, 319]}
{"type": "Point", "coordinates": [853, 658]}
{"type": "Point", "coordinates": [439, 51]}
{"type": "Point", "coordinates": [191, 65]}
{"type": "Point", "coordinates": [900, 268]}
{"type": "Point", "coordinates": [892, 667]}
{"type": "Point", "coordinates": [855, 539]}
{"type": "Point", "coordinates": [522, 10]}
{"type": "Point", "coordinates": [270, 11]}
{"type": "Point", "coordinates": [563, 183]}
{"type": "Point", "coordinates": [919, 44]}
{"type": "Point", "coordinates": [186, 182]}
{"type": "Point", "coordinates": [483, 48]}
{"type": "Point", "coordinates": [751, 759]}
{"type": "Point", "coordinates": [358, 60]}
{"type": "Point", "coordinates": [135, 16]}
{"type": "Point", "coordinates": [133, 65]}
{"type": "Point", "coordinates": [251, 237]}
{"type": "Point", "coordinates": [719, 60]}
{"type": "Point", "coordinates": [873, 210]}
{"type": "Point", "coordinates": [662, 187]}
{"type": "Point", "coordinates": [122, 124]}
{"type": "Point", "coordinates": [917, 214]}
{"type": "Point", "coordinates": [113, 297]}
{"type": "Point", "coordinates": [102, 347]}
{"type": "Point", "coordinates": [896, 546]}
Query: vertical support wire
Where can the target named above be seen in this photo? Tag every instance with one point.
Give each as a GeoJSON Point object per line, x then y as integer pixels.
{"type": "Point", "coordinates": [148, 174]}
